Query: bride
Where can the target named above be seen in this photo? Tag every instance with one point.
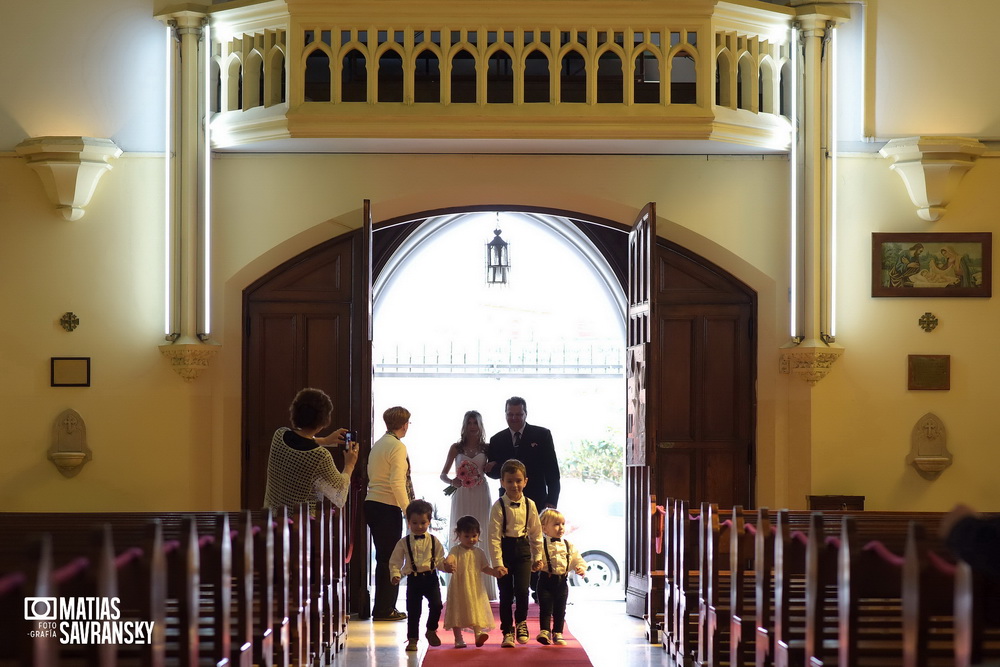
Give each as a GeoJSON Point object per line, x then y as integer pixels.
{"type": "Point", "coordinates": [471, 495]}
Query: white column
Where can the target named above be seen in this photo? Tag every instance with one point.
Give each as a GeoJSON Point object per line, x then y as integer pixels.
{"type": "Point", "coordinates": [189, 355]}
{"type": "Point", "coordinates": [812, 356]}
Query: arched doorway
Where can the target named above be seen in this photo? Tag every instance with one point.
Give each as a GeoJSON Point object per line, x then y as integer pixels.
{"type": "Point", "coordinates": [446, 340]}
{"type": "Point", "coordinates": [306, 324]}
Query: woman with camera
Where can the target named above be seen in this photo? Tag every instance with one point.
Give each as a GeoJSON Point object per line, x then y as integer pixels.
{"type": "Point", "coordinates": [299, 467]}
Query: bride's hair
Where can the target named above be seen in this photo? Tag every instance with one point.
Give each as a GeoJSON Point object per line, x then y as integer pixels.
{"type": "Point", "coordinates": [479, 421]}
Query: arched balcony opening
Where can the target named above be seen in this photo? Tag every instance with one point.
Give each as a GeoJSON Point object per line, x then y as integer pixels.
{"type": "Point", "coordinates": [646, 79]}
{"type": "Point", "coordinates": [767, 99]}
{"type": "Point", "coordinates": [427, 77]}
{"type": "Point", "coordinates": [234, 91]}
{"type": "Point", "coordinates": [390, 76]}
{"type": "Point", "coordinates": [317, 76]}
{"type": "Point", "coordinates": [215, 104]}
{"type": "Point", "coordinates": [723, 81]}
{"type": "Point", "coordinates": [274, 78]}
{"type": "Point", "coordinates": [354, 77]}
{"type": "Point", "coordinates": [500, 78]}
{"type": "Point", "coordinates": [573, 77]}
{"type": "Point", "coordinates": [463, 77]}
{"type": "Point", "coordinates": [537, 77]}
{"type": "Point", "coordinates": [785, 90]}
{"type": "Point", "coordinates": [683, 79]}
{"type": "Point", "coordinates": [610, 82]}
{"type": "Point", "coordinates": [253, 81]}
{"type": "Point", "coordinates": [746, 77]}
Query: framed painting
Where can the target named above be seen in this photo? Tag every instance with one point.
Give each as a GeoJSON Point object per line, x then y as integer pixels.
{"type": "Point", "coordinates": [70, 372]}
{"type": "Point", "coordinates": [927, 264]}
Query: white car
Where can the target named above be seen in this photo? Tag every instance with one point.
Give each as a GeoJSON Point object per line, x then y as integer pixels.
{"type": "Point", "coordinates": [595, 525]}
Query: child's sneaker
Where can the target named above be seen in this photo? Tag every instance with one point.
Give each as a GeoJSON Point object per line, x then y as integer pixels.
{"type": "Point", "coordinates": [459, 642]}
{"type": "Point", "coordinates": [522, 632]}
{"type": "Point", "coordinates": [508, 640]}
{"type": "Point", "coordinates": [543, 638]}
{"type": "Point", "coordinates": [411, 645]}
{"type": "Point", "coordinates": [432, 638]}
{"type": "Point", "coordinates": [557, 639]}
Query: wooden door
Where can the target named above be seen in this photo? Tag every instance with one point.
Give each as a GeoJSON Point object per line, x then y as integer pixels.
{"type": "Point", "coordinates": [691, 413]}
{"type": "Point", "coordinates": [358, 550]}
{"type": "Point", "coordinates": [640, 427]}
{"type": "Point", "coordinates": [705, 342]}
{"type": "Point", "coordinates": [307, 324]}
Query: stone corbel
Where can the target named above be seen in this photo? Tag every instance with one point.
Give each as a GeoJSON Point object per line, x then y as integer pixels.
{"type": "Point", "coordinates": [69, 167]}
{"type": "Point", "coordinates": [810, 360]}
{"type": "Point", "coordinates": [189, 359]}
{"type": "Point", "coordinates": [931, 168]}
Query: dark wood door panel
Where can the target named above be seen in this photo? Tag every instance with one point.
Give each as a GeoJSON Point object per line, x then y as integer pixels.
{"type": "Point", "coordinates": [723, 473]}
{"type": "Point", "coordinates": [675, 469]}
{"type": "Point", "coordinates": [290, 345]}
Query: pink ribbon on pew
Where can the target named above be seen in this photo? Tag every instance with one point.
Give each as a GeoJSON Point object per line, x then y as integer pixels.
{"type": "Point", "coordinates": [750, 528]}
{"type": "Point", "coordinates": [884, 553]}
{"type": "Point", "coordinates": [660, 524]}
{"type": "Point", "coordinates": [940, 564]}
{"type": "Point", "coordinates": [70, 570]}
{"type": "Point", "coordinates": [127, 556]}
{"type": "Point", "coordinates": [11, 582]}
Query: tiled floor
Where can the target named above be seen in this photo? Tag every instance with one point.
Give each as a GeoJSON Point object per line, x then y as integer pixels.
{"type": "Point", "coordinates": [609, 636]}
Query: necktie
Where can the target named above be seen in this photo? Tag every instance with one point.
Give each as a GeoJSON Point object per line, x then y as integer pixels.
{"type": "Point", "coordinates": [514, 504]}
{"type": "Point", "coordinates": [517, 439]}
{"type": "Point", "coordinates": [555, 539]}
{"type": "Point", "coordinates": [419, 537]}
{"type": "Point", "coordinates": [409, 482]}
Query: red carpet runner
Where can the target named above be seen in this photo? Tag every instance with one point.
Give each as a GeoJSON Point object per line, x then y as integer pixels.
{"type": "Point", "coordinates": [531, 654]}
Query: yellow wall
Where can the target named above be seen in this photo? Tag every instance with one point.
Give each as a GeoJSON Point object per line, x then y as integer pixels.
{"type": "Point", "coordinates": [149, 431]}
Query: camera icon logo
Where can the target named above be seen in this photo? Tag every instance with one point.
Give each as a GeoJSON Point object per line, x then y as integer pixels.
{"type": "Point", "coordinates": [40, 609]}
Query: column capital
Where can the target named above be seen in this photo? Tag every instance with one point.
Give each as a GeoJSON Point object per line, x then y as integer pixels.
{"type": "Point", "coordinates": [187, 17]}
{"type": "Point", "coordinates": [818, 17]}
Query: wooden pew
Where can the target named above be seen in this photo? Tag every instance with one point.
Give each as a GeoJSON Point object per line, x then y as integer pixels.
{"type": "Point", "coordinates": [828, 589]}
{"type": "Point", "coordinates": [204, 606]}
{"type": "Point", "coordinates": [683, 599]}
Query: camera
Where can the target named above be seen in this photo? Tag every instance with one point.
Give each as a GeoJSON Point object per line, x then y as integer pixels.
{"type": "Point", "coordinates": [350, 437]}
{"type": "Point", "coordinates": [40, 609]}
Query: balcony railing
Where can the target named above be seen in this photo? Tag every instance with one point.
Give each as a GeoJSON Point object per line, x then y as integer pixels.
{"type": "Point", "coordinates": [553, 69]}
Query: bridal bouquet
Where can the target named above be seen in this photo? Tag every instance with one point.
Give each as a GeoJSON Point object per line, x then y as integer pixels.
{"type": "Point", "coordinates": [469, 474]}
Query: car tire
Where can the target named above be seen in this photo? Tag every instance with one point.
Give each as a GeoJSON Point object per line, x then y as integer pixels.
{"type": "Point", "coordinates": [602, 571]}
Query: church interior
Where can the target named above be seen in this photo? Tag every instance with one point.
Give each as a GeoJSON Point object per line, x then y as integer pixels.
{"type": "Point", "coordinates": [794, 197]}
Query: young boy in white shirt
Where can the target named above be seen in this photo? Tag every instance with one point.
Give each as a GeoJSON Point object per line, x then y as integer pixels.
{"type": "Point", "coordinates": [515, 541]}
{"type": "Point", "coordinates": [560, 558]}
{"type": "Point", "coordinates": [418, 556]}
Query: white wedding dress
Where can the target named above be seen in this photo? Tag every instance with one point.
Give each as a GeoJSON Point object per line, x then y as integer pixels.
{"type": "Point", "coordinates": [473, 501]}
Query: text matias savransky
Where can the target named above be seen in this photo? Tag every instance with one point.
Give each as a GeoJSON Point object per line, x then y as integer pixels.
{"type": "Point", "coordinates": [86, 621]}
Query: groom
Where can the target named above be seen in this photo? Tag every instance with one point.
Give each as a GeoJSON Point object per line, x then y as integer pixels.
{"type": "Point", "coordinates": [532, 446]}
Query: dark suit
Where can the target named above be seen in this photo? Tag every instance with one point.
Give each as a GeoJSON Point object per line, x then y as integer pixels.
{"type": "Point", "coordinates": [538, 455]}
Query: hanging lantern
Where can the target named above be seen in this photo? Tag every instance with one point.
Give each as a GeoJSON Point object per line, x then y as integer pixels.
{"type": "Point", "coordinates": [497, 260]}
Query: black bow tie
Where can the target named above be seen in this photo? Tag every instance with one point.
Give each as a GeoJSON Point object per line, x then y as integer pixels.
{"type": "Point", "coordinates": [555, 539]}
{"type": "Point", "coordinates": [419, 537]}
{"type": "Point", "coordinates": [514, 504]}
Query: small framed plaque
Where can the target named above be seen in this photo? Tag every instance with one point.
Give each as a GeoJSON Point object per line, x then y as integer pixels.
{"type": "Point", "coordinates": [928, 372]}
{"type": "Point", "coordinates": [70, 372]}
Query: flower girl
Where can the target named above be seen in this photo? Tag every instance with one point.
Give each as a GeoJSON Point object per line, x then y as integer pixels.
{"type": "Point", "coordinates": [467, 605]}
